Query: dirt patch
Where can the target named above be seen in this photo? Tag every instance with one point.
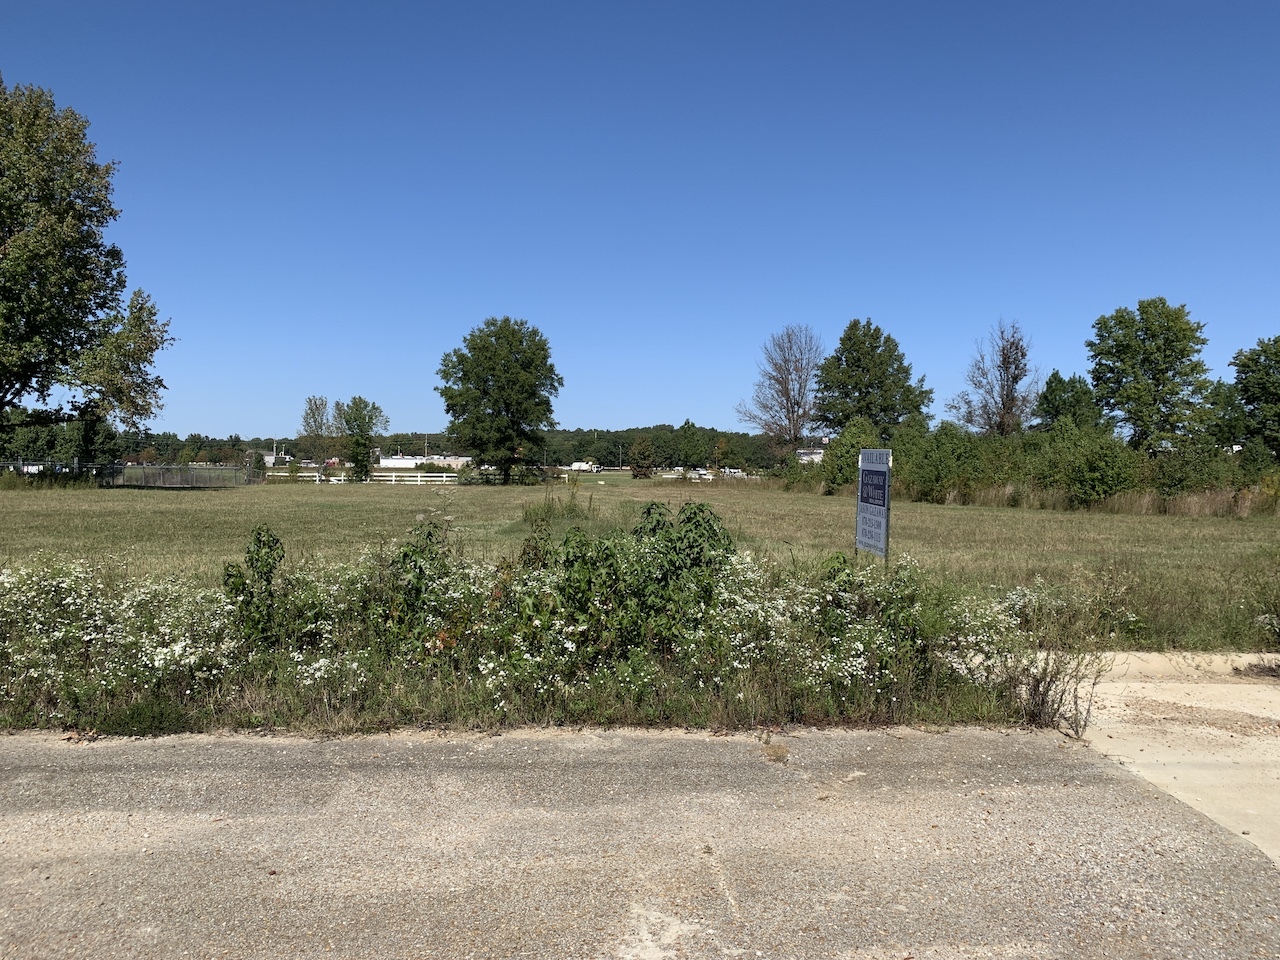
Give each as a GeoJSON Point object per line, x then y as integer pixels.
{"type": "Point", "coordinates": [1263, 669]}
{"type": "Point", "coordinates": [1152, 712]}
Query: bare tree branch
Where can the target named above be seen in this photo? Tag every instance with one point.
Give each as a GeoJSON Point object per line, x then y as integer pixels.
{"type": "Point", "coordinates": [781, 406]}
{"type": "Point", "coordinates": [1002, 398]}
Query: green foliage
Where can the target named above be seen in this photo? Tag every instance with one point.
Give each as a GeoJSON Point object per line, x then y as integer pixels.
{"type": "Point", "coordinates": [113, 375]}
{"type": "Point", "coordinates": [497, 391]}
{"type": "Point", "coordinates": [1070, 397]}
{"type": "Point", "coordinates": [725, 448]}
{"type": "Point", "coordinates": [642, 457]}
{"type": "Point", "coordinates": [1226, 422]}
{"type": "Point", "coordinates": [61, 283]}
{"type": "Point", "coordinates": [795, 475]}
{"type": "Point", "coordinates": [693, 445]}
{"type": "Point", "coordinates": [1196, 465]}
{"type": "Point", "coordinates": [950, 468]}
{"type": "Point", "coordinates": [1255, 462]}
{"type": "Point", "coordinates": [665, 624]}
{"type": "Point", "coordinates": [317, 430]}
{"type": "Point", "coordinates": [316, 420]}
{"type": "Point", "coordinates": [840, 459]}
{"type": "Point", "coordinates": [1090, 465]}
{"type": "Point", "coordinates": [37, 435]}
{"type": "Point", "coordinates": [1258, 386]}
{"type": "Point", "coordinates": [1147, 372]}
{"type": "Point", "coordinates": [867, 376]}
{"type": "Point", "coordinates": [250, 586]}
{"type": "Point", "coordinates": [359, 420]}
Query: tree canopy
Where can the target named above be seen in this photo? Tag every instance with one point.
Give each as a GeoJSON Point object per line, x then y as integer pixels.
{"type": "Point", "coordinates": [867, 376]}
{"type": "Point", "coordinates": [1258, 386]}
{"type": "Point", "coordinates": [316, 421]}
{"type": "Point", "coordinates": [1147, 372]}
{"type": "Point", "coordinates": [62, 320]}
{"type": "Point", "coordinates": [1066, 398]}
{"type": "Point", "coordinates": [781, 406]}
{"type": "Point", "coordinates": [497, 389]}
{"type": "Point", "coordinates": [359, 420]}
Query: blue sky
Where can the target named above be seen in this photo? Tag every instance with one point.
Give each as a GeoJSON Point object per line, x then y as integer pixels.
{"type": "Point", "coordinates": [326, 197]}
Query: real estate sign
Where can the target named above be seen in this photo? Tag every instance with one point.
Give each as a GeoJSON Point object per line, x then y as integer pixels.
{"type": "Point", "coordinates": [873, 501]}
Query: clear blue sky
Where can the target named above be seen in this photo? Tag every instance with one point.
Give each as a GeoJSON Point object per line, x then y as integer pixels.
{"type": "Point", "coordinates": [325, 197]}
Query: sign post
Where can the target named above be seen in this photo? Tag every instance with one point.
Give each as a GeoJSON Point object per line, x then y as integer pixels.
{"type": "Point", "coordinates": [873, 501]}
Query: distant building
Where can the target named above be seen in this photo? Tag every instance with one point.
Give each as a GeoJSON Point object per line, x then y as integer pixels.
{"type": "Point", "coordinates": [810, 455]}
{"type": "Point", "coordinates": [446, 460]}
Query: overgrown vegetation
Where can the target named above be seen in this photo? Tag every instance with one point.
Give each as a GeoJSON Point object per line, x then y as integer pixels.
{"type": "Point", "coordinates": [1197, 574]}
{"type": "Point", "coordinates": [666, 623]}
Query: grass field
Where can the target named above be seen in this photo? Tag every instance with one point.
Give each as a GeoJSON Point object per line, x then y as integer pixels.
{"type": "Point", "coordinates": [1195, 582]}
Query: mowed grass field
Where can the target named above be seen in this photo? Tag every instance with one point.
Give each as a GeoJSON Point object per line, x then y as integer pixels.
{"type": "Point", "coordinates": [1195, 582]}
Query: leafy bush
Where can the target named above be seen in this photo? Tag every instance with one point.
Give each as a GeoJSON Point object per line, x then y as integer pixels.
{"type": "Point", "coordinates": [840, 461]}
{"type": "Point", "coordinates": [665, 624]}
{"type": "Point", "coordinates": [1089, 464]}
{"type": "Point", "coordinates": [249, 586]}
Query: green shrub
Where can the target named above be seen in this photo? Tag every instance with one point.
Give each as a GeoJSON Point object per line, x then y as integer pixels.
{"type": "Point", "coordinates": [840, 461]}
{"type": "Point", "coordinates": [665, 624]}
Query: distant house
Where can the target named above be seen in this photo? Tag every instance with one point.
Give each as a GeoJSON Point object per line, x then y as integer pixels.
{"type": "Point", "coordinates": [810, 455]}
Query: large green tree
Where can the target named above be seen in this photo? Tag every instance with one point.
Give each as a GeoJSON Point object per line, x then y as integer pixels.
{"type": "Point", "coordinates": [360, 421]}
{"type": "Point", "coordinates": [497, 389]}
{"type": "Point", "coordinates": [867, 376]}
{"type": "Point", "coordinates": [1258, 386]}
{"type": "Point", "coordinates": [63, 323]}
{"type": "Point", "coordinates": [1148, 374]}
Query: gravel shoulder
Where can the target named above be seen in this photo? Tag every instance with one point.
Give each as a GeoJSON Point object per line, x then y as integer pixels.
{"type": "Point", "coordinates": [850, 844]}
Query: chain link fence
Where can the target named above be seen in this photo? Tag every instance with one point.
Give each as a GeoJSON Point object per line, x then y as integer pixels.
{"type": "Point", "coordinates": [137, 474]}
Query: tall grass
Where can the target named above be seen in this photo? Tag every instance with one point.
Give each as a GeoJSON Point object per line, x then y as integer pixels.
{"type": "Point", "coordinates": [1195, 580]}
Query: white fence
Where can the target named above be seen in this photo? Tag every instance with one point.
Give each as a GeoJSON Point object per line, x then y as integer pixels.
{"type": "Point", "coordinates": [400, 477]}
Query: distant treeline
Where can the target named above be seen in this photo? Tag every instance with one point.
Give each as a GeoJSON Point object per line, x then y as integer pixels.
{"type": "Point", "coordinates": [25, 435]}
{"type": "Point", "coordinates": [1061, 465]}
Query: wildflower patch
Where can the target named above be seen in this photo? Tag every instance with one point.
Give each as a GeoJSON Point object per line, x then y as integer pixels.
{"type": "Point", "coordinates": [667, 623]}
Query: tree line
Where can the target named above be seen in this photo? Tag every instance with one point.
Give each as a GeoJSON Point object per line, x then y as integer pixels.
{"type": "Point", "coordinates": [1146, 416]}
